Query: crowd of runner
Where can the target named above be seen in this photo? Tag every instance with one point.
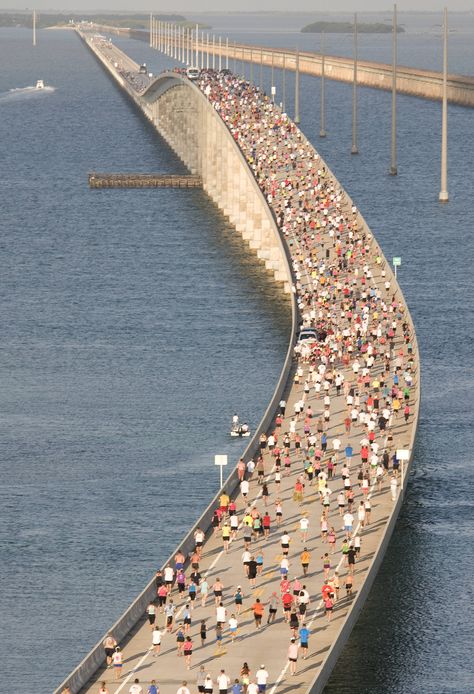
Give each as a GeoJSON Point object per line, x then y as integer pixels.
{"type": "Point", "coordinates": [361, 361]}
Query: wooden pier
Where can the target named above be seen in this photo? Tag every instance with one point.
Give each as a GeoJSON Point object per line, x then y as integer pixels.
{"type": "Point", "coordinates": [143, 180]}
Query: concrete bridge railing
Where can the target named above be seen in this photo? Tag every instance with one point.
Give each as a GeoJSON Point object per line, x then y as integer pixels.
{"type": "Point", "coordinates": [192, 127]}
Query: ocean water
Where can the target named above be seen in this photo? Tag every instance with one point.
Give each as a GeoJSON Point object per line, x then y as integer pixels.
{"type": "Point", "coordinates": [135, 322]}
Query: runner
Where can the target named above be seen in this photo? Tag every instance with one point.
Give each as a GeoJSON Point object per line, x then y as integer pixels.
{"type": "Point", "coordinates": [258, 610]}
{"type": "Point", "coordinates": [117, 660]}
{"type": "Point", "coordinates": [305, 558]}
{"type": "Point", "coordinates": [156, 641]}
{"type": "Point", "coordinates": [188, 651]}
{"type": "Point", "coordinates": [293, 655]}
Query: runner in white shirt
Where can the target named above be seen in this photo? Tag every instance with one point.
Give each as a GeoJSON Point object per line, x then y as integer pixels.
{"type": "Point", "coordinates": [168, 575]}
{"type": "Point", "coordinates": [285, 543]}
{"type": "Point", "coordinates": [348, 521]}
{"type": "Point", "coordinates": [221, 614]}
{"type": "Point", "coordinates": [223, 682]}
{"type": "Point", "coordinates": [233, 624]}
{"type": "Point", "coordinates": [156, 641]}
{"type": "Point", "coordinates": [135, 688]}
{"type": "Point", "coordinates": [262, 676]}
{"type": "Point", "coordinates": [304, 525]}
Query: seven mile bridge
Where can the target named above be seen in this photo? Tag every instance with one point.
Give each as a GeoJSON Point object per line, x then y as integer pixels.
{"type": "Point", "coordinates": [263, 592]}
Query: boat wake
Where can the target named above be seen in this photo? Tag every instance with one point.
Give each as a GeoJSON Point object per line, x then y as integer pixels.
{"type": "Point", "coordinates": [25, 93]}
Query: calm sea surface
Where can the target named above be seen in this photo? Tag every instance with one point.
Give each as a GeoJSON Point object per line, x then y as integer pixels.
{"type": "Point", "coordinates": [135, 322]}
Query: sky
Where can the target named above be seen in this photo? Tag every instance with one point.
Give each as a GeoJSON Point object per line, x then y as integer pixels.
{"type": "Point", "coordinates": [193, 6]}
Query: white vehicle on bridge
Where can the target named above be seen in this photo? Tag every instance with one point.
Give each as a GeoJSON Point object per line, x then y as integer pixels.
{"type": "Point", "coordinates": [308, 334]}
{"type": "Point", "coordinates": [193, 73]}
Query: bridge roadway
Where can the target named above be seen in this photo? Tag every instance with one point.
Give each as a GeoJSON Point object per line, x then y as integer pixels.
{"type": "Point", "coordinates": [269, 645]}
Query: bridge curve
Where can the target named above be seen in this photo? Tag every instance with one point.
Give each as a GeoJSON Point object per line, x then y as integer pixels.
{"type": "Point", "coordinates": [204, 143]}
{"type": "Point", "coordinates": [159, 100]}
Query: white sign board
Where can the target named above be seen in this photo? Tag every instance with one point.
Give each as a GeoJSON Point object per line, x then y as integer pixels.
{"type": "Point", "coordinates": [220, 460]}
{"type": "Point", "coordinates": [403, 454]}
{"type": "Point", "coordinates": [396, 262]}
{"type": "Point", "coordinates": [274, 91]}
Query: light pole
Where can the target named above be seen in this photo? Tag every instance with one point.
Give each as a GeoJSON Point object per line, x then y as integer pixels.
{"type": "Point", "coordinates": [272, 87]}
{"type": "Point", "coordinates": [393, 165]}
{"type": "Point", "coordinates": [322, 125]}
{"type": "Point", "coordinates": [297, 87]}
{"type": "Point", "coordinates": [354, 149]}
{"type": "Point", "coordinates": [443, 194]}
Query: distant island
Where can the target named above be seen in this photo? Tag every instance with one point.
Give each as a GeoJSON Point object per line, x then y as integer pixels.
{"type": "Point", "coordinates": [348, 28]}
{"type": "Point", "coordinates": [52, 19]}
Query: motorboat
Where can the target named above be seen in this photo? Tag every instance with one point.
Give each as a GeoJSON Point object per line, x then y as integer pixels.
{"type": "Point", "coordinates": [39, 84]}
{"type": "Point", "coordinates": [240, 432]}
{"type": "Point", "coordinates": [239, 429]}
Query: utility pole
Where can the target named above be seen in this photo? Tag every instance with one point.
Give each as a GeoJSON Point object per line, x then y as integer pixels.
{"type": "Point", "coordinates": [322, 124]}
{"type": "Point", "coordinates": [197, 49]}
{"type": "Point", "coordinates": [273, 76]}
{"type": "Point", "coordinates": [443, 194]}
{"type": "Point", "coordinates": [34, 27]}
{"type": "Point", "coordinates": [393, 165]}
{"type": "Point", "coordinates": [297, 86]}
{"type": "Point", "coordinates": [354, 149]}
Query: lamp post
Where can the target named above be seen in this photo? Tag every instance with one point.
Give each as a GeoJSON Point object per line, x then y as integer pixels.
{"type": "Point", "coordinates": [354, 149]}
{"type": "Point", "coordinates": [443, 194]}
{"type": "Point", "coordinates": [322, 124]}
{"type": "Point", "coordinates": [393, 164]}
{"type": "Point", "coordinates": [297, 87]}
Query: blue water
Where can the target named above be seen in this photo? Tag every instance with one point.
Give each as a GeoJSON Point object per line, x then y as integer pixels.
{"type": "Point", "coordinates": [134, 322]}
